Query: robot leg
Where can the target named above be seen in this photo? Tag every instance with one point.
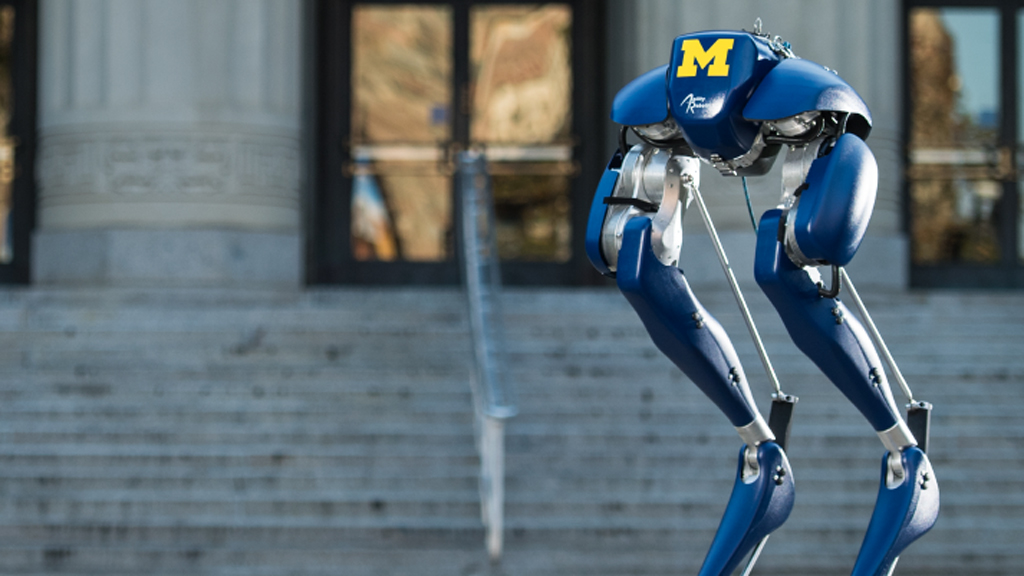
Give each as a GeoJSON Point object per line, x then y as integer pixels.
{"type": "Point", "coordinates": [829, 227]}
{"type": "Point", "coordinates": [763, 492]}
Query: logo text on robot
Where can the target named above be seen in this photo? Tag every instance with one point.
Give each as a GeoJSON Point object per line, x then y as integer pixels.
{"type": "Point", "coordinates": [693, 103]}
{"type": "Point", "coordinates": [714, 59]}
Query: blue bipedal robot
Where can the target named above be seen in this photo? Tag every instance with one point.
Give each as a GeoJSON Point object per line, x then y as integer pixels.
{"type": "Point", "coordinates": [734, 100]}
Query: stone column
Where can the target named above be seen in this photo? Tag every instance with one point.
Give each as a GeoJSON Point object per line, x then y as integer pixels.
{"type": "Point", "coordinates": [169, 143]}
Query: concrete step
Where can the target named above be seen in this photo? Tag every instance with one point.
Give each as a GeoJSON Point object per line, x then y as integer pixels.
{"type": "Point", "coordinates": [579, 551]}
{"type": "Point", "coordinates": [232, 432]}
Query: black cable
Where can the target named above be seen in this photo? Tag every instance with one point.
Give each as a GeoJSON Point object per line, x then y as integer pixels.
{"type": "Point", "coordinates": [750, 209]}
{"type": "Point", "coordinates": [837, 284]}
{"type": "Point", "coordinates": [643, 205]}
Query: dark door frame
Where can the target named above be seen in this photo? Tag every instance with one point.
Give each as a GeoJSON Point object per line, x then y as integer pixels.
{"type": "Point", "coordinates": [1009, 272]}
{"type": "Point", "coordinates": [23, 129]}
{"type": "Point", "coordinates": [329, 259]}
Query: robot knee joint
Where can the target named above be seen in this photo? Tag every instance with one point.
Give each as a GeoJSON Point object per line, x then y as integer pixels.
{"type": "Point", "coordinates": [833, 206]}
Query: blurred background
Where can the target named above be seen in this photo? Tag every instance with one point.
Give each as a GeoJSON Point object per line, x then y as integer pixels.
{"type": "Point", "coordinates": [235, 341]}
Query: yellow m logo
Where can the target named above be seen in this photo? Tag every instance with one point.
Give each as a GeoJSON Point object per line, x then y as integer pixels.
{"type": "Point", "coordinates": [695, 55]}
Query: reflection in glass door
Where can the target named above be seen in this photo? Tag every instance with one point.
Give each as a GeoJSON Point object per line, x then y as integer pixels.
{"type": "Point", "coordinates": [17, 133]}
{"type": "Point", "coordinates": [954, 136]}
{"type": "Point", "coordinates": [1020, 137]}
{"type": "Point", "coordinates": [424, 81]}
{"type": "Point", "coordinates": [521, 80]}
{"type": "Point", "coordinates": [963, 111]}
{"type": "Point", "coordinates": [401, 93]}
{"type": "Point", "coordinates": [7, 143]}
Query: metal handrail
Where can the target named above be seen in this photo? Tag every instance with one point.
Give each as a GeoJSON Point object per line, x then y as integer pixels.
{"type": "Point", "coordinates": [492, 397]}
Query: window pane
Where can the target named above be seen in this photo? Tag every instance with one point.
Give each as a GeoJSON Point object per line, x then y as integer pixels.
{"type": "Point", "coordinates": [1020, 133]}
{"type": "Point", "coordinates": [401, 94]}
{"type": "Point", "coordinates": [401, 73]}
{"type": "Point", "coordinates": [954, 125]}
{"type": "Point", "coordinates": [532, 217]}
{"type": "Point", "coordinates": [522, 79]}
{"type": "Point", "coordinates": [401, 211]}
{"type": "Point", "coordinates": [522, 76]}
{"type": "Point", "coordinates": [955, 220]}
{"type": "Point", "coordinates": [6, 141]}
{"type": "Point", "coordinates": [954, 69]}
{"type": "Point", "coordinates": [520, 61]}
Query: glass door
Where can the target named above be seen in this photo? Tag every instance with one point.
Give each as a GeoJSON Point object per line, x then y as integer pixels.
{"type": "Point", "coordinates": [412, 85]}
{"type": "Point", "coordinates": [963, 124]}
{"type": "Point", "coordinates": [17, 132]}
{"type": "Point", "coordinates": [402, 86]}
{"type": "Point", "coordinates": [521, 89]}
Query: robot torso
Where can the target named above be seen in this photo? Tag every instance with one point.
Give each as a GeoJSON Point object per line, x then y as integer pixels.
{"type": "Point", "coordinates": [733, 98]}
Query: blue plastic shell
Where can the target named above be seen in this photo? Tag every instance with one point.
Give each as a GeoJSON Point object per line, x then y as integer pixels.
{"type": "Point", "coordinates": [642, 101]}
{"type": "Point", "coordinates": [598, 209]}
{"type": "Point", "coordinates": [709, 84]}
{"type": "Point", "coordinates": [822, 328]}
{"type": "Point", "coordinates": [796, 86]}
{"type": "Point", "coordinates": [679, 326]}
{"type": "Point", "coordinates": [835, 208]}
{"type": "Point", "coordinates": [755, 510]}
{"type": "Point", "coordinates": [902, 515]}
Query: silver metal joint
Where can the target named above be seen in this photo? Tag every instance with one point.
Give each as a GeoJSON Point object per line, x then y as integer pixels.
{"type": "Point", "coordinates": [895, 439]}
{"type": "Point", "coordinates": [797, 125]}
{"type": "Point", "coordinates": [756, 432]}
{"type": "Point", "coordinates": [753, 435]}
{"type": "Point", "coordinates": [653, 176]}
{"type": "Point", "coordinates": [732, 166]}
{"type": "Point", "coordinates": [751, 468]}
{"type": "Point", "coordinates": [898, 437]}
{"type": "Point", "coordinates": [895, 473]}
{"type": "Point", "coordinates": [667, 129]}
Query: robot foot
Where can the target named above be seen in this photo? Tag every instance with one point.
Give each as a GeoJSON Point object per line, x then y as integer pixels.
{"type": "Point", "coordinates": [759, 504]}
{"type": "Point", "coordinates": [906, 508]}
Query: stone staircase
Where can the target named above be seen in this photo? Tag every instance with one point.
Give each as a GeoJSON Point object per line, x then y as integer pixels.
{"type": "Point", "coordinates": [330, 432]}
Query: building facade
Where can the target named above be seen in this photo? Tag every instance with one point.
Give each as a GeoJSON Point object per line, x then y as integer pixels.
{"type": "Point", "coordinates": [281, 144]}
{"type": "Point", "coordinates": [253, 149]}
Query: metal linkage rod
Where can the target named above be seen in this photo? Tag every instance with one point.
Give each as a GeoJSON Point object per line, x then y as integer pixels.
{"type": "Point", "coordinates": [876, 336]}
{"type": "Point", "coordinates": [688, 182]}
{"type": "Point", "coordinates": [754, 556]}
